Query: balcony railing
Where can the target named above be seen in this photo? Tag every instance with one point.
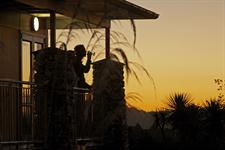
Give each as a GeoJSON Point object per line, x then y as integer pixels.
{"type": "Point", "coordinates": [17, 110]}
{"type": "Point", "coordinates": [23, 115]}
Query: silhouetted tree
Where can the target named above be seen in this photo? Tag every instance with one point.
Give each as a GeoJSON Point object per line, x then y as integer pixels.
{"type": "Point", "coordinates": [214, 121]}
{"type": "Point", "coordinates": [184, 118]}
{"type": "Point", "coordinates": [160, 121]}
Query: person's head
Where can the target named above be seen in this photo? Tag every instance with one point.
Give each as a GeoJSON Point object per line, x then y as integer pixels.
{"type": "Point", "coordinates": [80, 51]}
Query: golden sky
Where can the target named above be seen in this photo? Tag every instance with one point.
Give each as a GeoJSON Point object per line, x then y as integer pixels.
{"type": "Point", "coordinates": [183, 49]}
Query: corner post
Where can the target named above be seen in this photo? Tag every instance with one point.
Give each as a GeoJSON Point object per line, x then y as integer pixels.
{"type": "Point", "coordinates": [107, 42]}
{"type": "Point", "coordinates": [52, 29]}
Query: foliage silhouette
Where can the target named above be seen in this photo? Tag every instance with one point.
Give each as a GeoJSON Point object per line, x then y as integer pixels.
{"type": "Point", "coordinates": [221, 88]}
{"type": "Point", "coordinates": [190, 125]}
{"type": "Point", "coordinates": [214, 120]}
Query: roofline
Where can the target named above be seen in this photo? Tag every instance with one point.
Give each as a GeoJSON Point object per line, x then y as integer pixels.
{"type": "Point", "coordinates": [147, 14]}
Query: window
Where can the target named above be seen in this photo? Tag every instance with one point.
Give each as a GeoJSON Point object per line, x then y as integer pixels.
{"type": "Point", "coordinates": [38, 46]}
{"type": "Point", "coordinates": [30, 43]}
{"type": "Point", "coordinates": [26, 61]}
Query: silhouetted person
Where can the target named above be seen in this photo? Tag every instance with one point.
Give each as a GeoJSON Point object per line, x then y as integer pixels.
{"type": "Point", "coordinates": [79, 68]}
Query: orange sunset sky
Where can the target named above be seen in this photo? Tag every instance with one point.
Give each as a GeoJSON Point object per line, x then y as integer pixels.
{"type": "Point", "coordinates": [183, 49]}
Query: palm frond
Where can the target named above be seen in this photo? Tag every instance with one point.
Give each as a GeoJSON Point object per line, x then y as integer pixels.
{"type": "Point", "coordinates": [177, 101]}
{"type": "Point", "coordinates": [95, 34]}
{"type": "Point", "coordinates": [133, 96]}
{"type": "Point", "coordinates": [125, 60]}
{"type": "Point", "coordinates": [98, 55]}
{"type": "Point", "coordinates": [100, 38]}
{"type": "Point", "coordinates": [143, 69]}
{"type": "Point", "coordinates": [61, 35]}
{"type": "Point", "coordinates": [117, 22]}
{"type": "Point", "coordinates": [128, 45]}
{"type": "Point", "coordinates": [98, 47]}
{"type": "Point", "coordinates": [71, 26]}
{"type": "Point", "coordinates": [114, 57]}
{"type": "Point", "coordinates": [59, 43]}
{"type": "Point", "coordinates": [136, 76]}
{"type": "Point", "coordinates": [133, 25]}
{"type": "Point", "coordinates": [214, 105]}
{"type": "Point", "coordinates": [119, 35]}
{"type": "Point", "coordinates": [69, 35]}
{"type": "Point", "coordinates": [63, 46]}
{"type": "Point", "coordinates": [114, 38]}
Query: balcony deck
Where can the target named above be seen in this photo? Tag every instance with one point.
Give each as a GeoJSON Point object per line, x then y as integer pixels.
{"type": "Point", "coordinates": [23, 116]}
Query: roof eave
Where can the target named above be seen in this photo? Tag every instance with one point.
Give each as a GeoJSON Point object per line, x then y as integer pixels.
{"type": "Point", "coordinates": [137, 12]}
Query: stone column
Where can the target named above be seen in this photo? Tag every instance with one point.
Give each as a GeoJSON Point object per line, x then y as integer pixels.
{"type": "Point", "coordinates": [54, 80]}
{"type": "Point", "coordinates": [109, 122]}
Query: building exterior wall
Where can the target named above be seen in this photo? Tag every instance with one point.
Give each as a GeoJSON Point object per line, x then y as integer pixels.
{"type": "Point", "coordinates": [9, 53]}
{"type": "Point", "coordinates": [13, 26]}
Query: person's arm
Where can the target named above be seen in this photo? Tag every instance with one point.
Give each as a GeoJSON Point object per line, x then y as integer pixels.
{"type": "Point", "coordinates": [87, 85]}
{"type": "Point", "coordinates": [88, 63]}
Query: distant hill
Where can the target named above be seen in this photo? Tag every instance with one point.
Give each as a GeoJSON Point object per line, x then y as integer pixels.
{"type": "Point", "coordinates": [135, 116]}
